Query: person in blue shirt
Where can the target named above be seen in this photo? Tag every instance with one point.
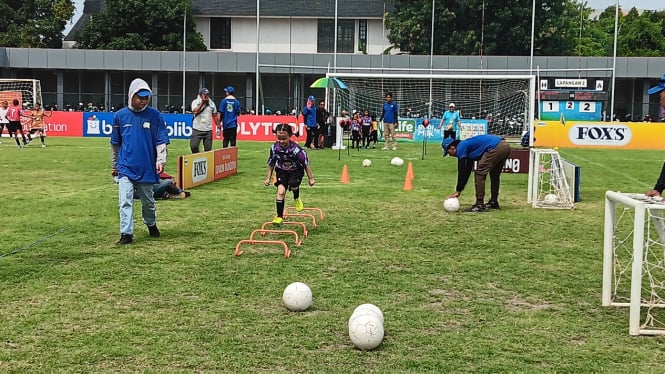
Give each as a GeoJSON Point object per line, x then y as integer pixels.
{"type": "Point", "coordinates": [138, 153]}
{"type": "Point", "coordinates": [309, 116]}
{"type": "Point", "coordinates": [229, 108]}
{"type": "Point", "coordinates": [491, 152]}
{"type": "Point", "coordinates": [450, 122]}
{"type": "Point", "coordinates": [389, 117]}
{"type": "Point", "coordinates": [289, 162]}
{"type": "Point", "coordinates": [659, 89]}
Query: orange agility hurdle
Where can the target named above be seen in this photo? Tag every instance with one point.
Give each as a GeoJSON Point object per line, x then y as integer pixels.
{"type": "Point", "coordinates": [301, 224]}
{"type": "Point", "coordinates": [264, 232]}
{"type": "Point", "coordinates": [317, 210]}
{"type": "Point", "coordinates": [287, 251]}
{"type": "Point", "coordinates": [304, 215]}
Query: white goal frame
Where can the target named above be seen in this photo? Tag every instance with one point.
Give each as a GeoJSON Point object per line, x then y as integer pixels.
{"type": "Point", "coordinates": [529, 114]}
{"type": "Point", "coordinates": [613, 201]}
{"type": "Point", "coordinates": [30, 86]}
{"type": "Point", "coordinates": [544, 181]}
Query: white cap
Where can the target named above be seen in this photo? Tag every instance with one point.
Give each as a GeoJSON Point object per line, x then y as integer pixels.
{"type": "Point", "coordinates": [452, 105]}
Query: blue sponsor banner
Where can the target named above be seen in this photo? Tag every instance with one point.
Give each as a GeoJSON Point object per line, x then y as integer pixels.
{"type": "Point", "coordinates": [179, 125]}
{"type": "Point", "coordinates": [100, 124]}
{"type": "Point", "coordinates": [467, 129]}
{"type": "Point", "coordinates": [432, 132]}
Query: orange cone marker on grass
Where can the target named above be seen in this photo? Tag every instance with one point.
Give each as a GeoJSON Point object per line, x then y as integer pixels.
{"type": "Point", "coordinates": [345, 175]}
{"type": "Point", "coordinates": [408, 180]}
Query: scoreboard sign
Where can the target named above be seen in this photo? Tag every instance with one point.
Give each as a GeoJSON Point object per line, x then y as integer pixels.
{"type": "Point", "coordinates": [571, 110]}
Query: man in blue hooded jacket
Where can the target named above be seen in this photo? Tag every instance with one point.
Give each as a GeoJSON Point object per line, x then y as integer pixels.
{"type": "Point", "coordinates": [138, 153]}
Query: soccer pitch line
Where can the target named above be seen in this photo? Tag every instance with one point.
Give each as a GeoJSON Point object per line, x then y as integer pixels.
{"type": "Point", "coordinates": [35, 243]}
{"type": "Point", "coordinates": [610, 170]}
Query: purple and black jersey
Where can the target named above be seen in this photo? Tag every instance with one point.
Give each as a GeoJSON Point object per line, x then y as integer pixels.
{"type": "Point", "coordinates": [355, 125]}
{"type": "Point", "coordinates": [291, 158]}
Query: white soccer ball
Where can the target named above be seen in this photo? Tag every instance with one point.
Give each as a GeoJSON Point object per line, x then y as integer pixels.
{"type": "Point", "coordinates": [367, 162]}
{"type": "Point", "coordinates": [396, 161]}
{"type": "Point", "coordinates": [551, 198]}
{"type": "Point", "coordinates": [365, 331]}
{"type": "Point", "coordinates": [368, 309]}
{"type": "Point", "coordinates": [297, 296]}
{"type": "Point", "coordinates": [451, 204]}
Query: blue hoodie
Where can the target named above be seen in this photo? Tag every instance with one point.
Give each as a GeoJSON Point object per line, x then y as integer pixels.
{"type": "Point", "coordinates": [138, 139]}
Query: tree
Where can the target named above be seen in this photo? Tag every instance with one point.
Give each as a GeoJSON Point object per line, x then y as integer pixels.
{"type": "Point", "coordinates": [639, 36]}
{"type": "Point", "coordinates": [155, 25]}
{"type": "Point", "coordinates": [410, 26]}
{"type": "Point", "coordinates": [34, 24]}
{"type": "Point", "coordinates": [503, 27]}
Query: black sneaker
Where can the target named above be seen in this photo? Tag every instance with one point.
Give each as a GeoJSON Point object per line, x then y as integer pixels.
{"type": "Point", "coordinates": [477, 208]}
{"type": "Point", "coordinates": [125, 239]}
{"type": "Point", "coordinates": [187, 193]}
{"type": "Point", "coordinates": [492, 205]}
{"type": "Point", "coordinates": [154, 231]}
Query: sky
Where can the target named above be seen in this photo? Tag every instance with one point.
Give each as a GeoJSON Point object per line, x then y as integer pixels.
{"type": "Point", "coordinates": [77, 13]}
{"type": "Point", "coordinates": [628, 4]}
{"type": "Point", "coordinates": [594, 4]}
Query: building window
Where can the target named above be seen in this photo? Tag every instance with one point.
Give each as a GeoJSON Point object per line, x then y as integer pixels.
{"type": "Point", "coordinates": [220, 33]}
{"type": "Point", "coordinates": [362, 35]}
{"type": "Point", "coordinates": [326, 35]}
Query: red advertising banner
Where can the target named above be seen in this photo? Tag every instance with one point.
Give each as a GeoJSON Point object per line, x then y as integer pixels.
{"type": "Point", "coordinates": [253, 127]}
{"type": "Point", "coordinates": [226, 162]}
{"type": "Point", "coordinates": [518, 161]}
{"type": "Point", "coordinates": [64, 124]}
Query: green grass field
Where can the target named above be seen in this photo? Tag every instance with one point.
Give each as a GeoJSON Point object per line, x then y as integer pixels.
{"type": "Point", "coordinates": [516, 290]}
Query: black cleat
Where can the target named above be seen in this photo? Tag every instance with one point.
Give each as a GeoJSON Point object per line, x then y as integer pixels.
{"type": "Point", "coordinates": [477, 208]}
{"type": "Point", "coordinates": [125, 239]}
{"type": "Point", "coordinates": [492, 205]}
{"type": "Point", "coordinates": [154, 231]}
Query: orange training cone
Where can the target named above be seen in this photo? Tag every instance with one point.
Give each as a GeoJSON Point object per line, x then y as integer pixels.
{"type": "Point", "coordinates": [408, 180]}
{"type": "Point", "coordinates": [345, 175]}
{"type": "Point", "coordinates": [409, 171]}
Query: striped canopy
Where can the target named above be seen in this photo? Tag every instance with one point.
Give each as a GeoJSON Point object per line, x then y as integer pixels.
{"type": "Point", "coordinates": [328, 82]}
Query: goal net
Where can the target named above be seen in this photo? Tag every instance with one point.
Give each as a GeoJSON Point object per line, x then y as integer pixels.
{"type": "Point", "coordinates": [634, 259]}
{"type": "Point", "coordinates": [549, 184]}
{"type": "Point", "coordinates": [26, 91]}
{"type": "Point", "coordinates": [506, 102]}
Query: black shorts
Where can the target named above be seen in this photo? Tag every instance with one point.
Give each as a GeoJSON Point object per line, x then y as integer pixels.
{"type": "Point", "coordinates": [14, 126]}
{"type": "Point", "coordinates": [289, 178]}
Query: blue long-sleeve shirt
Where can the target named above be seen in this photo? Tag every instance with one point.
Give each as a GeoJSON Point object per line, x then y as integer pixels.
{"type": "Point", "coordinates": [309, 115]}
{"type": "Point", "coordinates": [390, 112]}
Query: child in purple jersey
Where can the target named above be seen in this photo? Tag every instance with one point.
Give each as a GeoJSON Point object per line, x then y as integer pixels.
{"type": "Point", "coordinates": [290, 163]}
{"type": "Point", "coordinates": [355, 130]}
{"type": "Point", "coordinates": [366, 121]}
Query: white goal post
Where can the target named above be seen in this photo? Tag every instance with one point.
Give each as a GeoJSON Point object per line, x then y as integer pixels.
{"type": "Point", "coordinates": [634, 259]}
{"type": "Point", "coordinates": [26, 91]}
{"type": "Point", "coordinates": [506, 101]}
{"type": "Point", "coordinates": [549, 185]}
